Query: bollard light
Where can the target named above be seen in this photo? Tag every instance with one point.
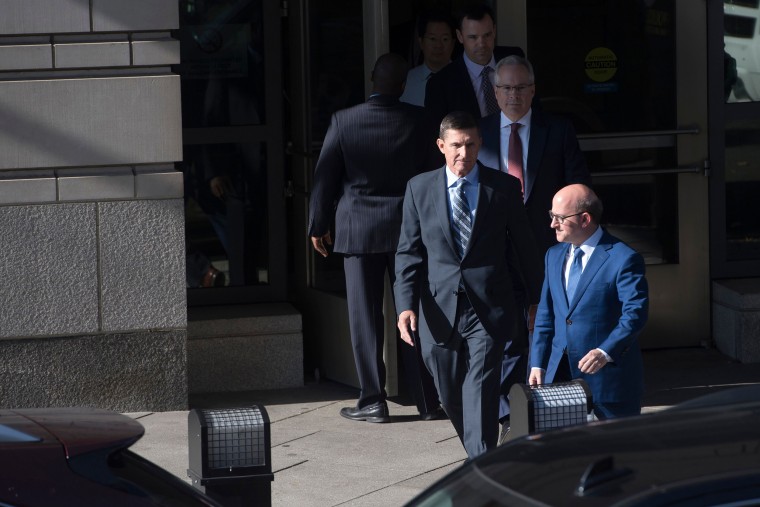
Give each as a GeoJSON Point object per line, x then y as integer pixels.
{"type": "Point", "coordinates": [230, 455]}
{"type": "Point", "coordinates": [549, 406]}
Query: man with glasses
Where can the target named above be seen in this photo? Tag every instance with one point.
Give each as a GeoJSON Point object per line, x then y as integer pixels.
{"type": "Point", "coordinates": [594, 304]}
{"type": "Point", "coordinates": [542, 152]}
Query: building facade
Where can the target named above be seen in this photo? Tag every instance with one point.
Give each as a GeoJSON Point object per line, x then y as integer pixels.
{"type": "Point", "coordinates": [156, 158]}
{"type": "Point", "coordinates": [91, 206]}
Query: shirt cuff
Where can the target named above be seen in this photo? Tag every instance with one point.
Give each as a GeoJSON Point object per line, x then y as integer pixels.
{"type": "Point", "coordinates": [606, 355]}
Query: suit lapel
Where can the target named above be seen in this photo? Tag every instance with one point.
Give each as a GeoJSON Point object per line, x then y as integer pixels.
{"type": "Point", "coordinates": [441, 204]}
{"type": "Point", "coordinates": [485, 194]}
{"type": "Point", "coordinates": [595, 263]}
{"type": "Point", "coordinates": [465, 83]}
{"type": "Point", "coordinates": [536, 144]}
{"type": "Point", "coordinates": [559, 265]}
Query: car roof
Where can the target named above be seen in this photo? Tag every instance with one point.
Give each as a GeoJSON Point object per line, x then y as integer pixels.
{"type": "Point", "coordinates": [79, 430]}
{"type": "Point", "coordinates": [629, 461]}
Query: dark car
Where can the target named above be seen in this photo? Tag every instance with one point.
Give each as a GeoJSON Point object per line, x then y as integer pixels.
{"type": "Point", "coordinates": [80, 457]}
{"type": "Point", "coordinates": [703, 452]}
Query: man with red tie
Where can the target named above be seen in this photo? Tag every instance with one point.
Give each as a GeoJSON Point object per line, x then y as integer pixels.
{"type": "Point", "coordinates": [542, 152]}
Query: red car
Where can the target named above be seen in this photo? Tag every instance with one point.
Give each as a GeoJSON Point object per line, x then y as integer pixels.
{"type": "Point", "coordinates": [80, 457]}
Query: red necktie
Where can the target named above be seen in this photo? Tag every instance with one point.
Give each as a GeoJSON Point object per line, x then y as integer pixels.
{"type": "Point", "coordinates": [515, 155]}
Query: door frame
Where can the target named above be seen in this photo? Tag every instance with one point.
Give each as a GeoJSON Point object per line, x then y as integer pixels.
{"type": "Point", "coordinates": [271, 135]}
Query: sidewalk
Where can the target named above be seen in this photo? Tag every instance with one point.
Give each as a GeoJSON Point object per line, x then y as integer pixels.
{"type": "Point", "coordinates": [322, 459]}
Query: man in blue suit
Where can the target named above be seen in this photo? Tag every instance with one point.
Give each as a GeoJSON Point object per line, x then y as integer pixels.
{"type": "Point", "coordinates": [454, 271]}
{"type": "Point", "coordinates": [594, 304]}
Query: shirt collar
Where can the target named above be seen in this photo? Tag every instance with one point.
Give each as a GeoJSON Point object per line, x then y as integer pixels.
{"type": "Point", "coordinates": [524, 121]}
{"type": "Point", "coordinates": [475, 69]}
{"type": "Point", "coordinates": [472, 177]}
{"type": "Point", "coordinates": [591, 243]}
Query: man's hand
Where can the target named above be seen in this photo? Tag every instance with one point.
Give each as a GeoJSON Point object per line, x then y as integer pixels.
{"type": "Point", "coordinates": [407, 324]}
{"type": "Point", "coordinates": [319, 243]}
{"type": "Point", "coordinates": [220, 186]}
{"type": "Point", "coordinates": [536, 377]}
{"type": "Point", "coordinates": [592, 362]}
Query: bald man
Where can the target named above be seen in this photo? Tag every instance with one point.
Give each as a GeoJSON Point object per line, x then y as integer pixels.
{"type": "Point", "coordinates": [369, 153]}
{"type": "Point", "coordinates": [594, 304]}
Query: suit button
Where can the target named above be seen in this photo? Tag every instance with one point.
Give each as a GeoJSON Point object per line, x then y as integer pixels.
{"type": "Point", "coordinates": [569, 322]}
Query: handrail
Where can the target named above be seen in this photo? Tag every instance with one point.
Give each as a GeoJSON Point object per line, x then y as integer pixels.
{"type": "Point", "coordinates": [640, 133]}
{"type": "Point", "coordinates": [632, 140]}
{"type": "Point", "coordinates": [649, 172]}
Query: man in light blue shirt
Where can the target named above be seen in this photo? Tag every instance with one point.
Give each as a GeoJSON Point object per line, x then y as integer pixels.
{"type": "Point", "coordinates": [435, 35]}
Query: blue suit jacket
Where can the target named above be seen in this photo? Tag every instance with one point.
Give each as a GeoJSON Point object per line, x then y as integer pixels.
{"type": "Point", "coordinates": [554, 161]}
{"type": "Point", "coordinates": [608, 311]}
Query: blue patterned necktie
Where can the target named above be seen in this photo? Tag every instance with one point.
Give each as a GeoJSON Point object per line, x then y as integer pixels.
{"type": "Point", "coordinates": [462, 217]}
{"type": "Point", "coordinates": [575, 273]}
{"type": "Point", "coordinates": [486, 86]}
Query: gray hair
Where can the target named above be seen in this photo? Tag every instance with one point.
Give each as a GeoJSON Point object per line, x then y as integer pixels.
{"type": "Point", "coordinates": [513, 60]}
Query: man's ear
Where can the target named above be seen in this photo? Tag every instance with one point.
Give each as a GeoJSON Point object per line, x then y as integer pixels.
{"type": "Point", "coordinates": [440, 144]}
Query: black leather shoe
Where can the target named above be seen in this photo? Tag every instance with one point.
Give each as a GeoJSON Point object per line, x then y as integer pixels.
{"type": "Point", "coordinates": [504, 436]}
{"type": "Point", "coordinates": [377, 413]}
{"type": "Point", "coordinates": [436, 414]}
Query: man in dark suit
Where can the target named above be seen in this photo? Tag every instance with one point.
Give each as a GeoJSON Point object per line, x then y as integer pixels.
{"type": "Point", "coordinates": [594, 304]}
{"type": "Point", "coordinates": [460, 224]}
{"type": "Point", "coordinates": [464, 85]}
{"type": "Point", "coordinates": [542, 152]}
{"type": "Point", "coordinates": [369, 153]}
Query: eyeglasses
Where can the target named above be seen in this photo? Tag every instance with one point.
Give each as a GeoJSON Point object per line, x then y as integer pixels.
{"type": "Point", "coordinates": [517, 90]}
{"type": "Point", "coordinates": [561, 218]}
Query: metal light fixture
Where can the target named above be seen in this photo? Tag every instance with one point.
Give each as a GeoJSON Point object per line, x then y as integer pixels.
{"type": "Point", "coordinates": [549, 406]}
{"type": "Point", "coordinates": [230, 455]}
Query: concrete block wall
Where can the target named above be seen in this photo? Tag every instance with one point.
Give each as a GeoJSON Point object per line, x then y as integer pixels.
{"type": "Point", "coordinates": [91, 207]}
{"type": "Point", "coordinates": [736, 318]}
{"type": "Point", "coordinates": [244, 347]}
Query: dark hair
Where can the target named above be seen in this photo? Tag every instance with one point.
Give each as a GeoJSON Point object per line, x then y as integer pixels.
{"type": "Point", "coordinates": [475, 12]}
{"type": "Point", "coordinates": [458, 120]}
{"type": "Point", "coordinates": [434, 15]}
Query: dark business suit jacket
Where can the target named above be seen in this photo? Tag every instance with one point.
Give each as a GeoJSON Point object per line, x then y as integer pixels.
{"type": "Point", "coordinates": [428, 268]}
{"type": "Point", "coordinates": [450, 89]}
{"type": "Point", "coordinates": [608, 311]}
{"type": "Point", "coordinates": [554, 161]}
{"type": "Point", "coordinates": [365, 177]}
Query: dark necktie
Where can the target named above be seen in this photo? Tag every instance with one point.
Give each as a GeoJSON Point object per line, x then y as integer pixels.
{"type": "Point", "coordinates": [462, 217]}
{"type": "Point", "coordinates": [515, 155]}
{"type": "Point", "coordinates": [487, 87]}
{"type": "Point", "coordinates": [575, 274]}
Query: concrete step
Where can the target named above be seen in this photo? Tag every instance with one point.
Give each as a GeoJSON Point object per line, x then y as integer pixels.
{"type": "Point", "coordinates": [244, 347]}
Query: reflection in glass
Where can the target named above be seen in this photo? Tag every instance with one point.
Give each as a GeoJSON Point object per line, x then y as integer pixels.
{"type": "Point", "coordinates": [222, 69]}
{"type": "Point", "coordinates": [225, 214]}
{"type": "Point", "coordinates": [741, 50]}
{"type": "Point", "coordinates": [337, 81]}
{"type": "Point", "coordinates": [742, 189]}
{"type": "Point", "coordinates": [617, 76]}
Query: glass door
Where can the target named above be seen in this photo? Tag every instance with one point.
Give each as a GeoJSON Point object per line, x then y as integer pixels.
{"type": "Point", "coordinates": [233, 151]}
{"type": "Point", "coordinates": [627, 75]}
{"type": "Point", "coordinates": [734, 49]}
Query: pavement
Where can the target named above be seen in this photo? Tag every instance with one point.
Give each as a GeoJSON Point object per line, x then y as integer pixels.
{"type": "Point", "coordinates": [322, 459]}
